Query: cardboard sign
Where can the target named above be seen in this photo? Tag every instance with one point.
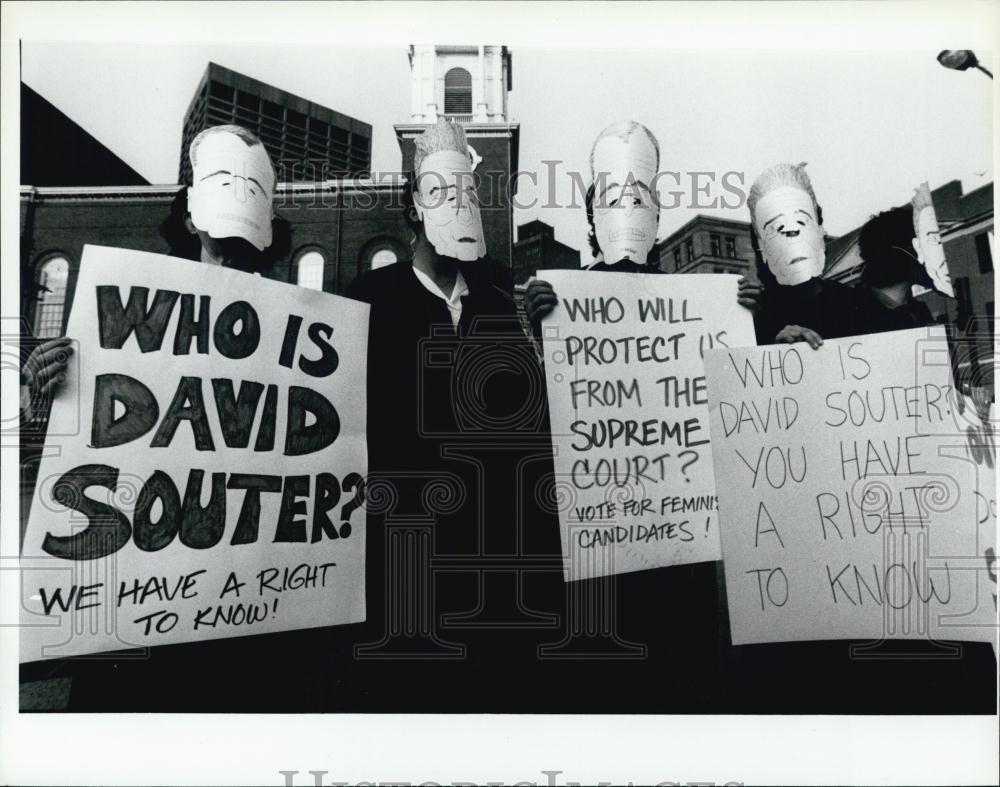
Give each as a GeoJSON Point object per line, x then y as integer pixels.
{"type": "Point", "coordinates": [213, 482]}
{"type": "Point", "coordinates": [850, 504]}
{"type": "Point", "coordinates": [628, 408]}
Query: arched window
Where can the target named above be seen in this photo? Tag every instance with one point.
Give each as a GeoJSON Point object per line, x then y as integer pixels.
{"type": "Point", "coordinates": [458, 92]}
{"type": "Point", "coordinates": [309, 270]}
{"type": "Point", "coordinates": [52, 278]}
{"type": "Point", "coordinates": [383, 257]}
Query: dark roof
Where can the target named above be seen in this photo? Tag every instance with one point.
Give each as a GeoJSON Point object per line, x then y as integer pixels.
{"type": "Point", "coordinates": [837, 246]}
{"type": "Point", "coordinates": [55, 151]}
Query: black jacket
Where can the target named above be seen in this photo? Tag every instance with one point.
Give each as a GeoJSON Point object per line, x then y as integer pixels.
{"type": "Point", "coordinates": [458, 444]}
{"type": "Point", "coordinates": [832, 309]}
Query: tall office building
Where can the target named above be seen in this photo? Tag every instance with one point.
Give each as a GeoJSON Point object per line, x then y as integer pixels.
{"type": "Point", "coordinates": [306, 141]}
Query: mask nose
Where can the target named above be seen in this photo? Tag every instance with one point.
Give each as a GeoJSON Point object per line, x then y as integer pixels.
{"type": "Point", "coordinates": [240, 190]}
{"type": "Point", "coordinates": [463, 209]}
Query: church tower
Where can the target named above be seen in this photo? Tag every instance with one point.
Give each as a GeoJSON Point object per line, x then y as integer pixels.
{"type": "Point", "coordinates": [469, 85]}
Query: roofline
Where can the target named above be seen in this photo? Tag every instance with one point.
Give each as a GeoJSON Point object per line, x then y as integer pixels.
{"type": "Point", "coordinates": [703, 217]}
{"type": "Point", "coordinates": [168, 191]}
{"type": "Point", "coordinates": [419, 128]}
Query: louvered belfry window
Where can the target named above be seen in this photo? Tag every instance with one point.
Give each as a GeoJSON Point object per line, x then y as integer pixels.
{"type": "Point", "coordinates": [458, 92]}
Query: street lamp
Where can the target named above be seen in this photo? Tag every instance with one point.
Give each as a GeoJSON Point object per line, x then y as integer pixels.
{"type": "Point", "coordinates": [960, 60]}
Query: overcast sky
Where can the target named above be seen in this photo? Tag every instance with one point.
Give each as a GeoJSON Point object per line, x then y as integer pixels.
{"type": "Point", "coordinates": [870, 126]}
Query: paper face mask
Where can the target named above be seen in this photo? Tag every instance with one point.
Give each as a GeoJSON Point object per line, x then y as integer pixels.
{"type": "Point", "coordinates": [447, 204]}
{"type": "Point", "coordinates": [927, 241]}
{"type": "Point", "coordinates": [791, 239]}
{"type": "Point", "coordinates": [233, 189]}
{"type": "Point", "coordinates": [626, 214]}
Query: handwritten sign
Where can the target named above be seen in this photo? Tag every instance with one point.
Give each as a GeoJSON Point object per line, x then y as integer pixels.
{"type": "Point", "coordinates": [977, 417]}
{"type": "Point", "coordinates": [215, 486]}
{"type": "Point", "coordinates": [628, 405]}
{"type": "Point", "coordinates": [850, 504]}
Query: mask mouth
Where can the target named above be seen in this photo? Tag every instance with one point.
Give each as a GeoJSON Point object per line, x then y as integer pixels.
{"type": "Point", "coordinates": [629, 233]}
{"type": "Point", "coordinates": [467, 239]}
{"type": "Point", "coordinates": [798, 260]}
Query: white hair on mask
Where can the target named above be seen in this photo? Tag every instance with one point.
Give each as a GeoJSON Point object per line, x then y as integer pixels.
{"type": "Point", "coordinates": [776, 177]}
{"type": "Point", "coordinates": [244, 134]}
{"type": "Point", "coordinates": [624, 130]}
{"type": "Point", "coordinates": [444, 135]}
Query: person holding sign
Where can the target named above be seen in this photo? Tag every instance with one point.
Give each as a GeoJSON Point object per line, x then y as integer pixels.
{"type": "Point", "coordinates": [228, 209]}
{"type": "Point", "coordinates": [787, 232]}
{"type": "Point", "coordinates": [672, 613]}
{"type": "Point", "coordinates": [454, 390]}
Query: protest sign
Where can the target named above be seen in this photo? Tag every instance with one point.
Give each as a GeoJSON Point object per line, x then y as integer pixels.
{"type": "Point", "coordinates": [215, 486]}
{"type": "Point", "coordinates": [628, 407]}
{"type": "Point", "coordinates": [850, 504]}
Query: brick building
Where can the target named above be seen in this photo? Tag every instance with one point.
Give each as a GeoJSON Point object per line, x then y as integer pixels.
{"type": "Point", "coordinates": [338, 229]}
{"type": "Point", "coordinates": [707, 244]}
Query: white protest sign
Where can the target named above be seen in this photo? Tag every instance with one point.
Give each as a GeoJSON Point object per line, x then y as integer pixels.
{"type": "Point", "coordinates": [977, 417]}
{"type": "Point", "coordinates": [850, 503]}
{"type": "Point", "coordinates": [215, 483]}
{"type": "Point", "coordinates": [628, 408]}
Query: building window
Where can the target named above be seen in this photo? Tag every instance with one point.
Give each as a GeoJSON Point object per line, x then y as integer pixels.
{"type": "Point", "coordinates": [718, 269]}
{"type": "Point", "coordinates": [677, 258]}
{"type": "Point", "coordinates": [689, 249]}
{"type": "Point", "coordinates": [731, 247]}
{"type": "Point", "coordinates": [52, 278]}
{"type": "Point", "coordinates": [458, 92]}
{"type": "Point", "coordinates": [309, 270]}
{"type": "Point", "coordinates": [383, 257]}
{"type": "Point", "coordinates": [716, 245]}
{"type": "Point", "coordinates": [983, 252]}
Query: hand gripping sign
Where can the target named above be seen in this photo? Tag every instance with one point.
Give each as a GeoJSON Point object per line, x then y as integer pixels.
{"type": "Point", "coordinates": [217, 485]}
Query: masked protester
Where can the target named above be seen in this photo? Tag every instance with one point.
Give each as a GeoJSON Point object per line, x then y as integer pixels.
{"type": "Point", "coordinates": [673, 612]}
{"type": "Point", "coordinates": [856, 677]}
{"type": "Point", "coordinates": [454, 389]}
{"type": "Point", "coordinates": [787, 230]}
{"type": "Point", "coordinates": [231, 196]}
{"type": "Point", "coordinates": [623, 214]}
{"type": "Point", "coordinates": [227, 213]}
{"type": "Point", "coordinates": [891, 272]}
{"type": "Point", "coordinates": [927, 241]}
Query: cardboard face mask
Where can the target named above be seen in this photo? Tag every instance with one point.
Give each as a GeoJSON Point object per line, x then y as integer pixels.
{"type": "Point", "coordinates": [791, 238]}
{"type": "Point", "coordinates": [626, 214]}
{"type": "Point", "coordinates": [927, 241]}
{"type": "Point", "coordinates": [233, 190]}
{"type": "Point", "coordinates": [447, 204]}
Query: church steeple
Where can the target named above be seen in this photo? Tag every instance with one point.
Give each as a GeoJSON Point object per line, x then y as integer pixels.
{"type": "Point", "coordinates": [467, 83]}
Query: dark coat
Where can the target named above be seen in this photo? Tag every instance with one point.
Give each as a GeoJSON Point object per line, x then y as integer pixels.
{"type": "Point", "coordinates": [458, 444]}
{"type": "Point", "coordinates": [832, 309]}
{"type": "Point", "coordinates": [881, 318]}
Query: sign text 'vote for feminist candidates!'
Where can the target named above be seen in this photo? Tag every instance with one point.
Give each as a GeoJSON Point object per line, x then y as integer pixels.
{"type": "Point", "coordinates": [629, 415]}
{"type": "Point", "coordinates": [215, 485]}
{"type": "Point", "coordinates": [853, 499]}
